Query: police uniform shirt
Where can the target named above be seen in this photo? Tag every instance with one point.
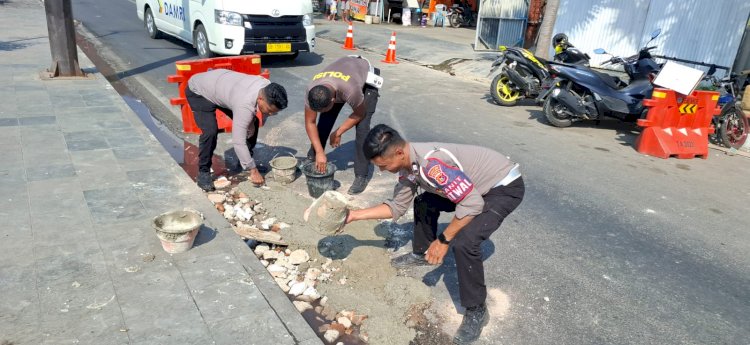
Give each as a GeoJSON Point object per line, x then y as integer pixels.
{"type": "Point", "coordinates": [347, 75]}
{"type": "Point", "coordinates": [238, 92]}
{"type": "Point", "coordinates": [438, 173]}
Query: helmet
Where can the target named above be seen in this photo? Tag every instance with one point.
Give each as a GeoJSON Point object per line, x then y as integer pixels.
{"type": "Point", "coordinates": [559, 38]}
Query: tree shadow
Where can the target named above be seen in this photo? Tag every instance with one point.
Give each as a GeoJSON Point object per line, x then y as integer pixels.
{"type": "Point", "coordinates": [17, 44]}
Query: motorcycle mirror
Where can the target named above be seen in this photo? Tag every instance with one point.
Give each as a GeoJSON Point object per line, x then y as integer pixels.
{"type": "Point", "coordinates": [600, 51]}
{"type": "Point", "coordinates": [655, 33]}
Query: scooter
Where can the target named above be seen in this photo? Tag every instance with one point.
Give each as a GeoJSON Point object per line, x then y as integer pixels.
{"type": "Point", "coordinates": [523, 75]}
{"type": "Point", "coordinates": [580, 93]}
{"type": "Point", "coordinates": [460, 15]}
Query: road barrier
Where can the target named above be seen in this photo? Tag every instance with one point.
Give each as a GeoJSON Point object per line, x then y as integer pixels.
{"type": "Point", "coordinates": [677, 125]}
{"type": "Point", "coordinates": [247, 64]}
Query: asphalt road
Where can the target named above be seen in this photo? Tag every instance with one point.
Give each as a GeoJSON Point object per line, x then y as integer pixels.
{"type": "Point", "coordinates": [608, 247]}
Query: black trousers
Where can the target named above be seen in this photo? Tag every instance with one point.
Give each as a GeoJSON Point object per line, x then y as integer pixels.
{"type": "Point", "coordinates": [499, 202]}
{"type": "Point", "coordinates": [327, 119]}
{"type": "Point", "coordinates": [204, 112]}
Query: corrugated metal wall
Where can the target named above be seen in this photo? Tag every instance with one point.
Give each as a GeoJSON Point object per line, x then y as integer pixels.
{"type": "Point", "coordinates": [501, 22]}
{"type": "Point", "coordinates": [699, 30]}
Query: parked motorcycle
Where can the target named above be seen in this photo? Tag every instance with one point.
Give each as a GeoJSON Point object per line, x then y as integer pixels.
{"type": "Point", "coordinates": [567, 53]}
{"type": "Point", "coordinates": [523, 75]}
{"type": "Point", "coordinates": [580, 93]}
{"type": "Point", "coordinates": [731, 126]}
{"type": "Point", "coordinates": [461, 15]}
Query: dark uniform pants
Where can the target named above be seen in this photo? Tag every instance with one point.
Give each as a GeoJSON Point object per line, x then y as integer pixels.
{"type": "Point", "coordinates": [499, 202]}
{"type": "Point", "coordinates": [327, 119]}
{"type": "Point", "coordinates": [204, 113]}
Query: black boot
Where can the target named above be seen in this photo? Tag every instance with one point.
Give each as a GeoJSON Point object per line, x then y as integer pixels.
{"type": "Point", "coordinates": [475, 318]}
{"type": "Point", "coordinates": [359, 185]}
{"type": "Point", "coordinates": [409, 260]}
{"type": "Point", "coordinates": [205, 181]}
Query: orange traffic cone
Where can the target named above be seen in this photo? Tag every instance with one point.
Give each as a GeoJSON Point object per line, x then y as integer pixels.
{"type": "Point", "coordinates": [390, 55]}
{"type": "Point", "coordinates": [349, 42]}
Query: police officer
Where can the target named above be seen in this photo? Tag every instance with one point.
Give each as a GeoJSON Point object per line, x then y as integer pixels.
{"type": "Point", "coordinates": [247, 99]}
{"type": "Point", "coordinates": [341, 82]}
{"type": "Point", "coordinates": [480, 185]}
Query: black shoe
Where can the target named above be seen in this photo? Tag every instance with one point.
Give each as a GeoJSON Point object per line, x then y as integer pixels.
{"type": "Point", "coordinates": [475, 318]}
{"type": "Point", "coordinates": [409, 260]}
{"type": "Point", "coordinates": [205, 181]}
{"type": "Point", "coordinates": [358, 186]}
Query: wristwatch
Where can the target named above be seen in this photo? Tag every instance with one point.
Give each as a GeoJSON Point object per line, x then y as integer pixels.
{"type": "Point", "coordinates": [442, 239]}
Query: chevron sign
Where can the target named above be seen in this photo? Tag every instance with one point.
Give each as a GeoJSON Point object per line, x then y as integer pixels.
{"type": "Point", "coordinates": [688, 108]}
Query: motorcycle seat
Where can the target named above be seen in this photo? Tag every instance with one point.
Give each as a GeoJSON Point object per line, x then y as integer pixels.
{"type": "Point", "coordinates": [608, 79]}
{"type": "Point", "coordinates": [637, 84]}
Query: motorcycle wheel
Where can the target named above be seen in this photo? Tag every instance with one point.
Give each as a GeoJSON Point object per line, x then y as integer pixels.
{"type": "Point", "coordinates": [455, 20]}
{"type": "Point", "coordinates": [554, 112]}
{"type": "Point", "coordinates": [502, 92]}
{"type": "Point", "coordinates": [733, 127]}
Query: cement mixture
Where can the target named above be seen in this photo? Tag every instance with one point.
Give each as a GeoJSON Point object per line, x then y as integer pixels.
{"type": "Point", "coordinates": [365, 282]}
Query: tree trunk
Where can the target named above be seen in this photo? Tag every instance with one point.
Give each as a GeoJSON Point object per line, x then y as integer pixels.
{"type": "Point", "coordinates": [545, 30]}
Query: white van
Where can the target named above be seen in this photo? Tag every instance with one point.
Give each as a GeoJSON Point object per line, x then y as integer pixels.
{"type": "Point", "coordinates": [233, 27]}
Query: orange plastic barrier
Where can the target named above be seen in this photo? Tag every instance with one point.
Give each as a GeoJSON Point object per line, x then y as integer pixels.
{"type": "Point", "coordinates": [248, 64]}
{"type": "Point", "coordinates": [677, 125]}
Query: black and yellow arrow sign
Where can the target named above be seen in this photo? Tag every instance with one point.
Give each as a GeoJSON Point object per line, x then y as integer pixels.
{"type": "Point", "coordinates": [688, 108]}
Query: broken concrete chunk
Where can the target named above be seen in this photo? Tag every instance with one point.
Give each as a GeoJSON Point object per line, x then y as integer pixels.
{"type": "Point", "coordinates": [344, 321]}
{"type": "Point", "coordinates": [302, 306]}
{"type": "Point", "coordinates": [268, 223]}
{"type": "Point", "coordinates": [331, 335]}
{"type": "Point", "coordinates": [310, 291]}
{"type": "Point", "coordinates": [222, 183]}
{"type": "Point", "coordinates": [327, 214]}
{"type": "Point", "coordinates": [270, 255]}
{"type": "Point", "coordinates": [282, 284]}
{"type": "Point", "coordinates": [276, 268]}
{"type": "Point", "coordinates": [216, 198]}
{"type": "Point", "coordinates": [261, 248]}
{"type": "Point", "coordinates": [297, 289]}
{"type": "Point", "coordinates": [299, 256]}
{"type": "Point", "coordinates": [264, 263]}
{"type": "Point", "coordinates": [229, 213]}
{"type": "Point", "coordinates": [312, 273]}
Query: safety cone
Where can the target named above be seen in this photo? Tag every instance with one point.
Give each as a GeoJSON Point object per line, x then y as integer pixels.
{"type": "Point", "coordinates": [349, 42]}
{"type": "Point", "coordinates": [390, 55]}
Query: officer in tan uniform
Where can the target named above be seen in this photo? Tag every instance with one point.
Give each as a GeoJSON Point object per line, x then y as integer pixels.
{"type": "Point", "coordinates": [479, 185]}
{"type": "Point", "coordinates": [348, 80]}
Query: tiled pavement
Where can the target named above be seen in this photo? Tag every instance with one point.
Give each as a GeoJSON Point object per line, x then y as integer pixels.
{"type": "Point", "coordinates": [80, 180]}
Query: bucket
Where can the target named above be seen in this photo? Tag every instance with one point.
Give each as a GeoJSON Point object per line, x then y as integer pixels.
{"type": "Point", "coordinates": [284, 169]}
{"type": "Point", "coordinates": [318, 183]}
{"type": "Point", "coordinates": [177, 229]}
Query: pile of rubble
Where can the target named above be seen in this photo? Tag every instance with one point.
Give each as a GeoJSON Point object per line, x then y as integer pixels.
{"type": "Point", "coordinates": [250, 220]}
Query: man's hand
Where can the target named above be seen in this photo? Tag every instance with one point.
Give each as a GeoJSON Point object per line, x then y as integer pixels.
{"type": "Point", "coordinates": [256, 178]}
{"type": "Point", "coordinates": [436, 253]}
{"type": "Point", "coordinates": [335, 139]}
{"type": "Point", "coordinates": [320, 162]}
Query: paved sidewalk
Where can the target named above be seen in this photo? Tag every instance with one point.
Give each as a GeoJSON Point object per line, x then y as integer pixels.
{"type": "Point", "coordinates": [447, 49]}
{"type": "Point", "coordinates": [80, 180]}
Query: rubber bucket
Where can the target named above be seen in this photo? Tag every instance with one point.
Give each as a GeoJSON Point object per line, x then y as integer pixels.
{"type": "Point", "coordinates": [318, 183]}
{"type": "Point", "coordinates": [284, 169]}
{"type": "Point", "coordinates": [177, 229]}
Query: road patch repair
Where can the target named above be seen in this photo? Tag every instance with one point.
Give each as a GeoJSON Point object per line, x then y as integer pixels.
{"type": "Point", "coordinates": [340, 280]}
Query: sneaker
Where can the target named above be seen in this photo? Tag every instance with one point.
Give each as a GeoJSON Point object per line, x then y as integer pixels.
{"type": "Point", "coordinates": [409, 260]}
{"type": "Point", "coordinates": [358, 186]}
{"type": "Point", "coordinates": [475, 318]}
{"type": "Point", "coordinates": [205, 181]}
